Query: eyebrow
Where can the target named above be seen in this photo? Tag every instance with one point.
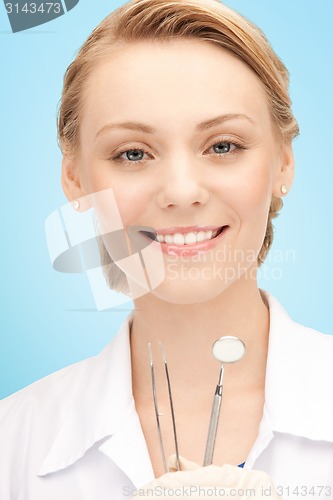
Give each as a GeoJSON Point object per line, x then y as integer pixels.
{"type": "Point", "coordinates": [221, 119]}
{"type": "Point", "coordinates": [141, 127]}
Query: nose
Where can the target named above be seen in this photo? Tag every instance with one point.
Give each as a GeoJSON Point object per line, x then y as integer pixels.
{"type": "Point", "coordinates": [182, 184]}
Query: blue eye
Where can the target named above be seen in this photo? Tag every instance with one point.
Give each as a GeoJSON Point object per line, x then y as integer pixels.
{"type": "Point", "coordinates": [223, 147]}
{"type": "Point", "coordinates": [134, 154]}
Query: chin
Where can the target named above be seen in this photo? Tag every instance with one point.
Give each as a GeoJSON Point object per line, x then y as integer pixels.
{"type": "Point", "coordinates": [191, 292]}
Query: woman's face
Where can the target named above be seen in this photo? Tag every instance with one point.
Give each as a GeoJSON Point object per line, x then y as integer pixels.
{"type": "Point", "coordinates": [181, 132]}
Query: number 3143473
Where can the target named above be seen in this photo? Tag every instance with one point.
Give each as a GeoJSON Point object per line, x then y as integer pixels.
{"type": "Point", "coordinates": [34, 8]}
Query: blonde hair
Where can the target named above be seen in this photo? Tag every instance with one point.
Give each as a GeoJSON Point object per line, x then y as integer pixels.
{"type": "Point", "coordinates": [207, 20]}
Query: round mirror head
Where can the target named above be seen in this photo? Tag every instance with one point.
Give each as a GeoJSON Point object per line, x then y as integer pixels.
{"type": "Point", "coordinates": [228, 349]}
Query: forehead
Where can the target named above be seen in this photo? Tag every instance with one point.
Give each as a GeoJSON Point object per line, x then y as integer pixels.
{"type": "Point", "coordinates": [181, 81]}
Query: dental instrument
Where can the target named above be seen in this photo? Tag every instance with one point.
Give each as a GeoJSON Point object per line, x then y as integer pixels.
{"type": "Point", "coordinates": [157, 413]}
{"type": "Point", "coordinates": [227, 349]}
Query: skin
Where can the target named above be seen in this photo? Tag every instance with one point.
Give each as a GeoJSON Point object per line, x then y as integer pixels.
{"type": "Point", "coordinates": [182, 181]}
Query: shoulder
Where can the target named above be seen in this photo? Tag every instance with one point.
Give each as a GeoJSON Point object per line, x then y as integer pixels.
{"type": "Point", "coordinates": [40, 408]}
{"type": "Point", "coordinates": [314, 338]}
{"type": "Point", "coordinates": [62, 412]}
{"type": "Point", "coordinates": [46, 387]}
{"type": "Point", "coordinates": [52, 398]}
{"type": "Point", "coordinates": [299, 376]}
{"type": "Point", "coordinates": [32, 419]}
{"type": "Point", "coordinates": [61, 388]}
{"type": "Point", "coordinates": [43, 400]}
{"type": "Point", "coordinates": [57, 391]}
{"type": "Point", "coordinates": [284, 328]}
{"type": "Point", "coordinates": [298, 347]}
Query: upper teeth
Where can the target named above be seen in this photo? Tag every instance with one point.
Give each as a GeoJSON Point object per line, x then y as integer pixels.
{"type": "Point", "coordinates": [186, 238]}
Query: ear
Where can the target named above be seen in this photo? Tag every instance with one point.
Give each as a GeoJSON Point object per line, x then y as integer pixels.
{"type": "Point", "coordinates": [70, 177]}
{"type": "Point", "coordinates": [284, 174]}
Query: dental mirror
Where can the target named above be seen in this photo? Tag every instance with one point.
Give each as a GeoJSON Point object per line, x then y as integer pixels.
{"type": "Point", "coordinates": [227, 349]}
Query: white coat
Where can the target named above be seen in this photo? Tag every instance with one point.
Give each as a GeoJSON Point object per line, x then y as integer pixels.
{"type": "Point", "coordinates": [75, 435]}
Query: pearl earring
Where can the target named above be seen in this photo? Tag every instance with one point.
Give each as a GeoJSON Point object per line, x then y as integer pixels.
{"type": "Point", "coordinates": [76, 204]}
{"type": "Point", "coordinates": [284, 189]}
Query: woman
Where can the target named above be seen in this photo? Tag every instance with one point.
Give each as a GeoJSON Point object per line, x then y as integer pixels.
{"type": "Point", "coordinates": [181, 111]}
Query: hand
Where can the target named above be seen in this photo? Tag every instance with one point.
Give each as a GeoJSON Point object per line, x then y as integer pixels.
{"type": "Point", "coordinates": [195, 482]}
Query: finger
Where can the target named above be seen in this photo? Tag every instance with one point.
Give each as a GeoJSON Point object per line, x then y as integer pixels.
{"type": "Point", "coordinates": [184, 464]}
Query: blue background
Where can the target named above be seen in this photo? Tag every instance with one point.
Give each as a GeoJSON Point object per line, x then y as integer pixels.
{"type": "Point", "coordinates": [48, 319]}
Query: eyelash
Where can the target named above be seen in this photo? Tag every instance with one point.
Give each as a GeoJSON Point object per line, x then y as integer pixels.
{"type": "Point", "coordinates": [237, 145]}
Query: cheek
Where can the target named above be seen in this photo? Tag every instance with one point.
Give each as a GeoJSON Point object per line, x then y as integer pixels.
{"type": "Point", "coordinates": [254, 202]}
{"type": "Point", "coordinates": [254, 195]}
{"type": "Point", "coordinates": [132, 203]}
{"type": "Point", "coordinates": [248, 190]}
{"type": "Point", "coordinates": [133, 196]}
{"type": "Point", "coordinates": [248, 196]}
{"type": "Point", "coordinates": [132, 191]}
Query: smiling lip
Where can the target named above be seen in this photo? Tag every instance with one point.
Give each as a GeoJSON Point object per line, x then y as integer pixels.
{"type": "Point", "coordinates": [194, 248]}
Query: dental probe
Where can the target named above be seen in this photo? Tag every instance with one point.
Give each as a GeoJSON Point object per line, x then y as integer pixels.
{"type": "Point", "coordinates": [157, 414]}
{"type": "Point", "coordinates": [171, 405]}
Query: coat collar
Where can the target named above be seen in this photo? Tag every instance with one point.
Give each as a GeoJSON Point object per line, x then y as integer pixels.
{"type": "Point", "coordinates": [102, 409]}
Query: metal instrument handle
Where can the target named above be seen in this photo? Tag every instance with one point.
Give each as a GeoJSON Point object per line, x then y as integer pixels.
{"type": "Point", "coordinates": [213, 424]}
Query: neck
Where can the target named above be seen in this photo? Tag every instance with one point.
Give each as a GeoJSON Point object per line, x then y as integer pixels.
{"type": "Point", "coordinates": [187, 333]}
